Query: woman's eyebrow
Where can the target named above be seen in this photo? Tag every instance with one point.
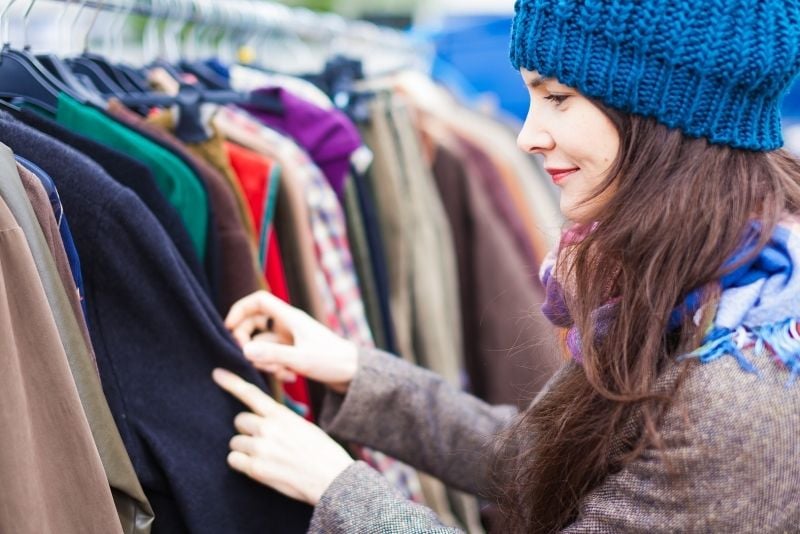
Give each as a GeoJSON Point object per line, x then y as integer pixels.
{"type": "Point", "coordinates": [536, 81]}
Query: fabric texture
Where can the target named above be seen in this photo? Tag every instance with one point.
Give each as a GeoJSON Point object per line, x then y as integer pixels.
{"type": "Point", "coordinates": [711, 69]}
{"type": "Point", "coordinates": [214, 153]}
{"type": "Point", "coordinates": [758, 304]}
{"type": "Point", "coordinates": [423, 261]}
{"type": "Point", "coordinates": [181, 187]}
{"type": "Point", "coordinates": [40, 203]}
{"type": "Point", "coordinates": [237, 274]}
{"type": "Point", "coordinates": [329, 137]}
{"type": "Point", "coordinates": [254, 173]}
{"type": "Point", "coordinates": [509, 348]}
{"type": "Point", "coordinates": [419, 245]}
{"type": "Point", "coordinates": [132, 174]}
{"type": "Point", "coordinates": [268, 231]}
{"type": "Point", "coordinates": [134, 511]}
{"type": "Point", "coordinates": [728, 463]}
{"type": "Point", "coordinates": [48, 450]}
{"type": "Point", "coordinates": [362, 262]}
{"type": "Point", "coordinates": [501, 198]}
{"type": "Point", "coordinates": [377, 254]}
{"type": "Point", "coordinates": [318, 250]}
{"type": "Point", "coordinates": [157, 338]}
{"type": "Point", "coordinates": [67, 245]}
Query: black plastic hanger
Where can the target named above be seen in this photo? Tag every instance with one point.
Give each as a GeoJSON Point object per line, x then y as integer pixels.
{"type": "Point", "coordinates": [23, 78]}
{"type": "Point", "coordinates": [58, 68]}
{"type": "Point", "coordinates": [136, 77]}
{"type": "Point", "coordinates": [190, 127]}
{"type": "Point", "coordinates": [9, 106]}
{"type": "Point", "coordinates": [111, 71]}
{"type": "Point", "coordinates": [86, 67]}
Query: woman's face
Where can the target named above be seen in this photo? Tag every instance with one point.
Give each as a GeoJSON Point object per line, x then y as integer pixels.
{"type": "Point", "coordinates": [576, 140]}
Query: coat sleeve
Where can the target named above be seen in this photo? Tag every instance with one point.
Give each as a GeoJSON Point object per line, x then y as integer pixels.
{"type": "Point", "coordinates": [415, 416]}
{"type": "Point", "coordinates": [362, 500]}
{"type": "Point", "coordinates": [728, 463]}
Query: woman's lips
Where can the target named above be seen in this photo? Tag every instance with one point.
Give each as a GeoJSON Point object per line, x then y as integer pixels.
{"type": "Point", "coordinates": [559, 175]}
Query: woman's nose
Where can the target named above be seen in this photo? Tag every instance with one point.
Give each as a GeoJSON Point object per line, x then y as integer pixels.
{"type": "Point", "coordinates": [534, 138]}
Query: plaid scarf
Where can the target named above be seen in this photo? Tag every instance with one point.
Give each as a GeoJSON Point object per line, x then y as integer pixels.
{"type": "Point", "coordinates": [759, 304]}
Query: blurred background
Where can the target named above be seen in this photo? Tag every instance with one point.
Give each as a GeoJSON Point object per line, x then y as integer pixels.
{"type": "Point", "coordinates": [462, 44]}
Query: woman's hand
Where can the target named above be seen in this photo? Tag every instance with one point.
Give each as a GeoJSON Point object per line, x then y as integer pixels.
{"type": "Point", "coordinates": [278, 448]}
{"type": "Point", "coordinates": [285, 341]}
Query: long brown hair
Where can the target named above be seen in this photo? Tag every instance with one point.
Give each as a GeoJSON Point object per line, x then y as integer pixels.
{"type": "Point", "coordinates": [675, 209]}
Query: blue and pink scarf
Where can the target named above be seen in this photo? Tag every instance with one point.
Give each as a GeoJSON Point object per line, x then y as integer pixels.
{"type": "Point", "coordinates": [758, 308]}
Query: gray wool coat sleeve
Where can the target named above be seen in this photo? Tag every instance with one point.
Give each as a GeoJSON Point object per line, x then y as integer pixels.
{"type": "Point", "coordinates": [729, 461]}
{"type": "Point", "coordinates": [415, 416]}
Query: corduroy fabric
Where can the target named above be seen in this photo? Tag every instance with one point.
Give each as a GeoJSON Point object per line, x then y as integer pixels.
{"type": "Point", "coordinates": [715, 68]}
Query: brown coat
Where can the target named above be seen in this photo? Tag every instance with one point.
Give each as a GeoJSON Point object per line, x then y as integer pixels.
{"type": "Point", "coordinates": [731, 437]}
{"type": "Point", "coordinates": [34, 215]}
{"type": "Point", "coordinates": [53, 478]}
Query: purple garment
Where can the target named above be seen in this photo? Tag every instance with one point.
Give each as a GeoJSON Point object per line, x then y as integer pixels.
{"type": "Point", "coordinates": [329, 137]}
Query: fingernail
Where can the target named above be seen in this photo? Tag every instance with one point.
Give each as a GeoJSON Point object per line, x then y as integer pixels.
{"type": "Point", "coordinates": [218, 375]}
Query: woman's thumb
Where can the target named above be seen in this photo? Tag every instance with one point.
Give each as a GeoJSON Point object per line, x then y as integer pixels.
{"type": "Point", "coordinates": [265, 352]}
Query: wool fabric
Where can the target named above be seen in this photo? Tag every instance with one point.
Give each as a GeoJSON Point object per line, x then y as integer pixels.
{"type": "Point", "coordinates": [716, 69]}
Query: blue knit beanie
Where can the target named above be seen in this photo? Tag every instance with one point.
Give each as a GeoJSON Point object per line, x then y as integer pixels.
{"type": "Point", "coordinates": [712, 68]}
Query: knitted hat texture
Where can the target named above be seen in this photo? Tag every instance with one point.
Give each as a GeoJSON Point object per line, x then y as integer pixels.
{"type": "Point", "coordinates": [712, 68]}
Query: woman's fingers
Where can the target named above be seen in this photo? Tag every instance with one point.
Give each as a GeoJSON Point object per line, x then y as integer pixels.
{"type": "Point", "coordinates": [248, 423]}
{"type": "Point", "coordinates": [259, 303]}
{"type": "Point", "coordinates": [244, 444]}
{"type": "Point", "coordinates": [271, 475]}
{"type": "Point", "coordinates": [247, 393]}
{"type": "Point", "coordinates": [243, 463]}
{"type": "Point", "coordinates": [284, 375]}
{"type": "Point", "coordinates": [263, 354]}
{"type": "Point", "coordinates": [243, 331]}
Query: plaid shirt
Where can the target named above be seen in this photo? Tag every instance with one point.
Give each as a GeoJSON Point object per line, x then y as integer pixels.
{"type": "Point", "coordinates": [337, 283]}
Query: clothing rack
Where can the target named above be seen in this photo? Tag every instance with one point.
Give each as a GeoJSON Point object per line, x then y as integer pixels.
{"type": "Point", "coordinates": [232, 25]}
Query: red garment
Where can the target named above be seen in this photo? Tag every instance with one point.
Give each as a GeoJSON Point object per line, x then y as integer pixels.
{"type": "Point", "coordinates": [276, 277]}
{"type": "Point", "coordinates": [253, 171]}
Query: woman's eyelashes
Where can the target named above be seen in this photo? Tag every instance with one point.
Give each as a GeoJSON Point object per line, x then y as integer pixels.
{"type": "Point", "coordinates": [556, 99]}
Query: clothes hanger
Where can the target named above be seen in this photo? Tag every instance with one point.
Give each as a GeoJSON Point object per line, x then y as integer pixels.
{"type": "Point", "coordinates": [114, 29]}
{"type": "Point", "coordinates": [185, 13]}
{"type": "Point", "coordinates": [23, 78]}
{"type": "Point", "coordinates": [59, 68]}
{"type": "Point", "coordinates": [135, 76]}
{"type": "Point", "coordinates": [85, 66]}
{"type": "Point", "coordinates": [190, 97]}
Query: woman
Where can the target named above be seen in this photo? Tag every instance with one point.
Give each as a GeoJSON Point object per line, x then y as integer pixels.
{"type": "Point", "coordinates": [675, 286]}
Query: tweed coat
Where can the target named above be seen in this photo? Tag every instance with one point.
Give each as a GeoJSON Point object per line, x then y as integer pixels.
{"type": "Point", "coordinates": [731, 438]}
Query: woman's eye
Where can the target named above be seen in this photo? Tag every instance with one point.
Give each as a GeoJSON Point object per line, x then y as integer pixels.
{"type": "Point", "coordinates": [558, 99]}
